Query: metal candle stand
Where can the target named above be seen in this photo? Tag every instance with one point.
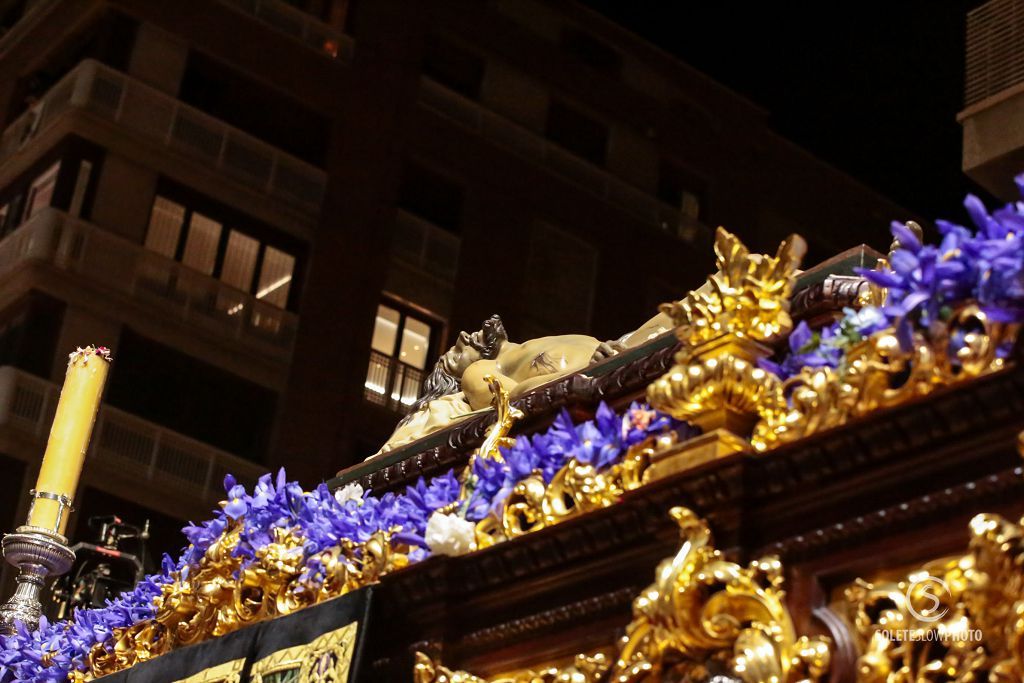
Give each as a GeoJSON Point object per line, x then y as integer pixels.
{"type": "Point", "coordinates": [39, 554]}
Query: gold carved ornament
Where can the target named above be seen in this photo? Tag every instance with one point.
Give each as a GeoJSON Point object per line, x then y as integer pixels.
{"type": "Point", "coordinates": [221, 595]}
{"type": "Point", "coordinates": [879, 373]}
{"type": "Point", "coordinates": [960, 619]}
{"type": "Point", "coordinates": [702, 616]}
{"type": "Point", "coordinates": [725, 327]}
{"type": "Point", "coordinates": [575, 489]}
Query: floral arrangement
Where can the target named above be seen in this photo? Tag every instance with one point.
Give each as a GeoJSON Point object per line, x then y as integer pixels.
{"type": "Point", "coordinates": [924, 283]}
{"type": "Point", "coordinates": [414, 521]}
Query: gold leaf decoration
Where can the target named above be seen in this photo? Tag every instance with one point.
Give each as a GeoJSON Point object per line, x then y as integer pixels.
{"type": "Point", "coordinates": [702, 616]}
{"type": "Point", "coordinates": [959, 619]}
{"type": "Point", "coordinates": [575, 489]}
{"type": "Point", "coordinates": [880, 373]}
{"type": "Point", "coordinates": [222, 595]}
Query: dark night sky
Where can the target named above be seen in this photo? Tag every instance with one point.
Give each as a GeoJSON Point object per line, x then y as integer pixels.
{"type": "Point", "coordinates": [871, 87]}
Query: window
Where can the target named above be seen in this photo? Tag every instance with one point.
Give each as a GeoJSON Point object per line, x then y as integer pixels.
{"type": "Point", "coordinates": [577, 132]}
{"type": "Point", "coordinates": [453, 66]}
{"type": "Point", "coordinates": [205, 245]}
{"type": "Point", "coordinates": [81, 185]}
{"type": "Point", "coordinates": [192, 396]}
{"type": "Point", "coordinates": [591, 51]}
{"type": "Point", "coordinates": [165, 221]}
{"type": "Point", "coordinates": [201, 244]}
{"type": "Point", "coordinates": [29, 331]}
{"type": "Point", "coordinates": [559, 284]}
{"type": "Point", "coordinates": [40, 193]}
{"type": "Point", "coordinates": [403, 342]}
{"type": "Point", "coordinates": [431, 196]}
{"type": "Point", "coordinates": [276, 277]}
{"type": "Point", "coordinates": [240, 261]}
{"type": "Point", "coordinates": [680, 188]}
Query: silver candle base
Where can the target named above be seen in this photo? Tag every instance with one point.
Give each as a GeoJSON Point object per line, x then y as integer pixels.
{"type": "Point", "coordinates": [38, 554]}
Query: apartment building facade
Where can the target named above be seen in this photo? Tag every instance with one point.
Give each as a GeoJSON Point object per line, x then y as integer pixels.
{"type": "Point", "coordinates": [993, 132]}
{"type": "Point", "coordinates": [278, 214]}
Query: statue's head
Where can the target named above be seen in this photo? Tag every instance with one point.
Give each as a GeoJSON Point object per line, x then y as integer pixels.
{"type": "Point", "coordinates": [485, 343]}
{"type": "Point", "coordinates": [446, 377]}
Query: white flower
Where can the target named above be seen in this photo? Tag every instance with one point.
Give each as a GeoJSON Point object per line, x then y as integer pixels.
{"type": "Point", "coordinates": [349, 492]}
{"type": "Point", "coordinates": [450, 535]}
{"type": "Point", "coordinates": [866, 318]}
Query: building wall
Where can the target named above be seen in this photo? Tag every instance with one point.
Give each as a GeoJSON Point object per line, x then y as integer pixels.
{"type": "Point", "coordinates": [535, 133]}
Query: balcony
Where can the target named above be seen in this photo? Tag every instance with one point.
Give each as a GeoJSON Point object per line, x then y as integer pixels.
{"type": "Point", "coordinates": [152, 280]}
{"type": "Point", "coordinates": [299, 25]}
{"type": "Point", "coordinates": [123, 443]}
{"type": "Point", "coordinates": [994, 96]}
{"type": "Point", "coordinates": [173, 126]}
{"type": "Point", "coordinates": [420, 244]}
{"type": "Point", "coordinates": [995, 49]}
{"type": "Point", "coordinates": [529, 145]}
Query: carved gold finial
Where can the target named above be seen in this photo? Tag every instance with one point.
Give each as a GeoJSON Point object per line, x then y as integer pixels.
{"type": "Point", "coordinates": [725, 328]}
{"type": "Point", "coordinates": [703, 615]}
{"type": "Point", "coordinates": [748, 297]}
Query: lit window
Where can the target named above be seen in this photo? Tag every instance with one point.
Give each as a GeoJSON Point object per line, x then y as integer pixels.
{"type": "Point", "coordinates": [415, 341]}
{"type": "Point", "coordinates": [275, 277]}
{"type": "Point", "coordinates": [165, 223]}
{"type": "Point", "coordinates": [40, 194]}
{"type": "Point", "coordinates": [246, 265]}
{"type": "Point", "coordinates": [400, 349]}
{"type": "Point", "coordinates": [240, 260]}
{"type": "Point", "coordinates": [385, 330]}
{"type": "Point", "coordinates": [201, 245]}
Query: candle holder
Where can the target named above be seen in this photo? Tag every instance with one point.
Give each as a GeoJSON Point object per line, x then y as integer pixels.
{"type": "Point", "coordinates": [39, 554]}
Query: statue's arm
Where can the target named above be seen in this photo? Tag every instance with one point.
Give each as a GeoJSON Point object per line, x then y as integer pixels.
{"type": "Point", "coordinates": [474, 386]}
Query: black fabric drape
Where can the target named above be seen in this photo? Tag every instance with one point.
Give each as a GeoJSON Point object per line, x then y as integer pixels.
{"type": "Point", "coordinates": [254, 643]}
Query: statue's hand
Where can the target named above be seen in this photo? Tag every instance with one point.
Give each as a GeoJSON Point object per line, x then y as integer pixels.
{"type": "Point", "coordinates": [607, 350]}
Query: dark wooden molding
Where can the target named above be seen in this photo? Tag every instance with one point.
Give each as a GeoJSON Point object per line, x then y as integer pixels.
{"type": "Point", "coordinates": [897, 471]}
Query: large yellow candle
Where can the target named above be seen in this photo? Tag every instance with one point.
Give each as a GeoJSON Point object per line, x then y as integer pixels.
{"type": "Point", "coordinates": [69, 435]}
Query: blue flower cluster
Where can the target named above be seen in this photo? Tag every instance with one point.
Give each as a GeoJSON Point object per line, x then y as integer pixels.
{"type": "Point", "coordinates": [827, 347]}
{"type": "Point", "coordinates": [600, 442]}
{"type": "Point", "coordinates": [925, 282]}
{"type": "Point", "coordinates": [55, 649]}
{"type": "Point", "coordinates": [325, 520]}
{"type": "Point", "coordinates": [986, 264]}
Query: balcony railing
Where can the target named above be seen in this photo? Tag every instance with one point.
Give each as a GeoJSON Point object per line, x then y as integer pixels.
{"type": "Point", "coordinates": [125, 442]}
{"type": "Point", "coordinates": [995, 49]}
{"type": "Point", "coordinates": [530, 145]}
{"type": "Point", "coordinates": [423, 245]}
{"type": "Point", "coordinates": [392, 383]}
{"type": "Point", "coordinates": [165, 121]}
{"type": "Point", "coordinates": [113, 262]}
{"type": "Point", "coordinates": [296, 23]}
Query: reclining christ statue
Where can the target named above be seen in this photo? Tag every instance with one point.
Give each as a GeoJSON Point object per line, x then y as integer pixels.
{"type": "Point", "coordinates": [456, 386]}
